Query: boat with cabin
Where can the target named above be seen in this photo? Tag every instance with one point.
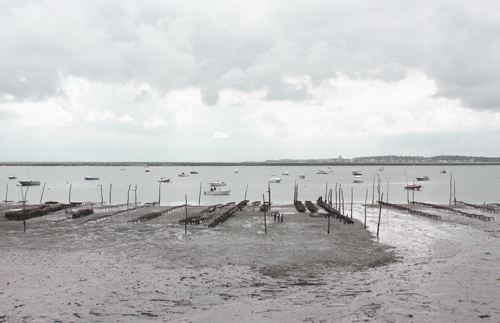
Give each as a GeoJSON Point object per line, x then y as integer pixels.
{"type": "Point", "coordinates": [183, 175]}
{"type": "Point", "coordinates": [423, 178]}
{"type": "Point", "coordinates": [12, 176]}
{"type": "Point", "coordinates": [217, 183]}
{"type": "Point", "coordinates": [357, 173]}
{"type": "Point", "coordinates": [91, 178]}
{"type": "Point", "coordinates": [217, 191]}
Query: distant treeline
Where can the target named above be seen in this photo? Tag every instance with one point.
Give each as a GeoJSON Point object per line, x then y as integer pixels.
{"type": "Point", "coordinates": [373, 160]}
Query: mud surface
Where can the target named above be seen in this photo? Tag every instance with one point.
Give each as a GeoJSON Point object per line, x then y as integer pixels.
{"type": "Point", "coordinates": [420, 270]}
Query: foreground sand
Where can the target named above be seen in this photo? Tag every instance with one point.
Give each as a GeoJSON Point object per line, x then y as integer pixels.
{"type": "Point", "coordinates": [421, 270]}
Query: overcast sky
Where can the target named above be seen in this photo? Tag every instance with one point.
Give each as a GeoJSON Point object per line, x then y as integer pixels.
{"type": "Point", "coordinates": [251, 80]}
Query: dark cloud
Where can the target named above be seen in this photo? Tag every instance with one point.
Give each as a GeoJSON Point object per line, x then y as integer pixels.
{"type": "Point", "coordinates": [249, 46]}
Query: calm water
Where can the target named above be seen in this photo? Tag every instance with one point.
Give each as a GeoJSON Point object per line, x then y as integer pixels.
{"type": "Point", "coordinates": [473, 184]}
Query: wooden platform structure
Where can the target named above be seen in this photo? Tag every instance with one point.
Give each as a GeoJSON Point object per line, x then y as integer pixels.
{"type": "Point", "coordinates": [410, 211]}
{"type": "Point", "coordinates": [455, 211]}
{"type": "Point", "coordinates": [334, 212]}
{"type": "Point", "coordinates": [154, 215]}
{"type": "Point", "coordinates": [226, 215]}
{"type": "Point", "coordinates": [300, 207]}
{"type": "Point", "coordinates": [311, 207]}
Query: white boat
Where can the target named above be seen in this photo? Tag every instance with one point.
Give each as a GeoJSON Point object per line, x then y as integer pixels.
{"type": "Point", "coordinates": [302, 176]}
{"type": "Point", "coordinates": [236, 171]}
{"type": "Point", "coordinates": [217, 191]}
{"type": "Point", "coordinates": [381, 169]}
{"type": "Point", "coordinates": [91, 178]}
{"type": "Point", "coordinates": [183, 175]}
{"type": "Point", "coordinates": [285, 173]}
{"type": "Point", "coordinates": [164, 180]}
{"type": "Point", "coordinates": [322, 172]}
{"type": "Point", "coordinates": [423, 178]}
{"type": "Point", "coordinates": [357, 173]}
{"type": "Point", "coordinates": [12, 176]}
{"type": "Point", "coordinates": [357, 179]}
{"type": "Point", "coordinates": [29, 183]}
{"type": "Point", "coordinates": [217, 183]}
{"type": "Point", "coordinates": [274, 180]}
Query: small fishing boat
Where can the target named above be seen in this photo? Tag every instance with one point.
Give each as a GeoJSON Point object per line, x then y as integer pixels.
{"type": "Point", "coordinates": [193, 172]}
{"type": "Point", "coordinates": [423, 178]}
{"type": "Point", "coordinates": [443, 171]}
{"type": "Point", "coordinates": [381, 169]}
{"type": "Point", "coordinates": [274, 179]}
{"type": "Point", "coordinates": [217, 191]}
{"type": "Point", "coordinates": [414, 187]}
{"type": "Point", "coordinates": [217, 183]}
{"type": "Point", "coordinates": [183, 175]}
{"type": "Point", "coordinates": [302, 176]}
{"type": "Point", "coordinates": [164, 180]}
{"type": "Point", "coordinates": [12, 176]}
{"type": "Point", "coordinates": [285, 173]}
{"type": "Point", "coordinates": [322, 172]}
{"type": "Point", "coordinates": [91, 178]}
{"type": "Point", "coordinates": [29, 183]}
{"type": "Point", "coordinates": [147, 170]}
{"type": "Point", "coordinates": [357, 173]}
{"type": "Point", "coordinates": [357, 179]}
{"type": "Point", "coordinates": [236, 171]}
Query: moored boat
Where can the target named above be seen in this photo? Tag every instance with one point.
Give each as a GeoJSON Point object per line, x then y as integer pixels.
{"type": "Point", "coordinates": [423, 178]}
{"type": "Point", "coordinates": [381, 169]}
{"type": "Point", "coordinates": [322, 172]}
{"type": "Point", "coordinates": [12, 176]}
{"type": "Point", "coordinates": [285, 173]}
{"type": "Point", "coordinates": [183, 175]}
{"type": "Point", "coordinates": [357, 179]}
{"type": "Point", "coordinates": [91, 178]}
{"type": "Point", "coordinates": [357, 173]}
{"type": "Point", "coordinates": [29, 183]}
{"type": "Point", "coordinates": [274, 180]}
{"type": "Point", "coordinates": [217, 191]}
{"type": "Point", "coordinates": [443, 171]}
{"type": "Point", "coordinates": [414, 187]}
{"type": "Point", "coordinates": [217, 183]}
{"type": "Point", "coordinates": [164, 180]}
{"type": "Point", "coordinates": [194, 172]}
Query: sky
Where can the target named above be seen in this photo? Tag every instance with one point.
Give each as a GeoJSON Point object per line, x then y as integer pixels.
{"type": "Point", "coordinates": [231, 81]}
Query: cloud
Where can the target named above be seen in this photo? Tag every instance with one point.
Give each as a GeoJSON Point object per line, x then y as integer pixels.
{"type": "Point", "coordinates": [221, 135]}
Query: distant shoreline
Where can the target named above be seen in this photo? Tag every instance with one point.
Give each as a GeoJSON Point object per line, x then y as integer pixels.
{"type": "Point", "coordinates": [247, 163]}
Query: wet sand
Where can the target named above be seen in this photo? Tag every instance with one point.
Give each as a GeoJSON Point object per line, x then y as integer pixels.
{"type": "Point", "coordinates": [420, 270]}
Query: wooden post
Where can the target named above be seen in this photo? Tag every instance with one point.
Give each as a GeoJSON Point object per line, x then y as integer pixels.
{"type": "Point", "coordinates": [110, 189]}
{"type": "Point", "coordinates": [159, 194]}
{"type": "Point", "coordinates": [451, 179]}
{"type": "Point", "coordinates": [387, 198]}
{"type": "Point", "coordinates": [43, 190]}
{"type": "Point", "coordinates": [199, 196]}
{"type": "Point", "coordinates": [328, 231]}
{"type": "Point", "coordinates": [366, 200]}
{"type": "Point", "coordinates": [373, 190]}
{"type": "Point", "coordinates": [379, 214]}
{"type": "Point", "coordinates": [135, 191]}
{"type": "Point", "coordinates": [269, 190]}
{"type": "Point", "coordinates": [246, 190]}
{"type": "Point", "coordinates": [336, 196]}
{"type": "Point", "coordinates": [185, 222]}
{"type": "Point", "coordinates": [326, 191]}
{"type": "Point", "coordinates": [69, 198]}
{"type": "Point", "coordinates": [352, 193]}
{"type": "Point", "coordinates": [265, 222]}
{"type": "Point", "coordinates": [7, 193]}
{"type": "Point", "coordinates": [24, 223]}
{"type": "Point", "coordinates": [454, 191]}
{"type": "Point", "coordinates": [343, 204]}
{"type": "Point", "coordinates": [128, 194]}
{"type": "Point", "coordinates": [102, 199]}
